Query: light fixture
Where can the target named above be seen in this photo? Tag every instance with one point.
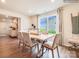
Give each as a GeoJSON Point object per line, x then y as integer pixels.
{"type": "Point", "coordinates": [52, 0]}
{"type": "Point", "coordinates": [3, 1]}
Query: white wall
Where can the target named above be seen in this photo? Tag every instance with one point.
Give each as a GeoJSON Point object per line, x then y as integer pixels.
{"type": "Point", "coordinates": [34, 20]}
{"type": "Point", "coordinates": [24, 19]}
{"type": "Point", "coordinates": [4, 25]}
{"type": "Point", "coordinates": [67, 25]}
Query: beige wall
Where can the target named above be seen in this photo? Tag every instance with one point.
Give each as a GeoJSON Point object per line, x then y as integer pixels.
{"type": "Point", "coordinates": [4, 27]}
{"type": "Point", "coordinates": [67, 25]}
{"type": "Point", "coordinates": [34, 20]}
{"type": "Point", "coordinates": [24, 19]}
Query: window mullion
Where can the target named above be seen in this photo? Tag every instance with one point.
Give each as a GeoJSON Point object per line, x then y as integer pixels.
{"type": "Point", "coordinates": [47, 25]}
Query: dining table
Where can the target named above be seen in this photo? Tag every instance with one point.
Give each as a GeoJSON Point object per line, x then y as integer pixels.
{"type": "Point", "coordinates": [42, 38]}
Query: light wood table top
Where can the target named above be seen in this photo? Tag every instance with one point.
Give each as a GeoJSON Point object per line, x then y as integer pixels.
{"type": "Point", "coordinates": [42, 36]}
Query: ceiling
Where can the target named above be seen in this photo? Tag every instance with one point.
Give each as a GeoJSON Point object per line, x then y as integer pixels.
{"type": "Point", "coordinates": [31, 7]}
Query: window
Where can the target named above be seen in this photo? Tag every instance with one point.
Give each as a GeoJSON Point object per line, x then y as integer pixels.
{"type": "Point", "coordinates": [43, 24]}
{"type": "Point", "coordinates": [48, 24]}
{"type": "Point", "coordinates": [75, 24]}
{"type": "Point", "coordinates": [52, 24]}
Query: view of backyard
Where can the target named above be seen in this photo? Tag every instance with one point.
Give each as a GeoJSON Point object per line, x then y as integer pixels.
{"type": "Point", "coordinates": [48, 24]}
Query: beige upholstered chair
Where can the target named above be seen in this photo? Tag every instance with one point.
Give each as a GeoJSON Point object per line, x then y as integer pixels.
{"type": "Point", "coordinates": [33, 32]}
{"type": "Point", "coordinates": [28, 42]}
{"type": "Point", "coordinates": [53, 45]}
{"type": "Point", "coordinates": [20, 39]}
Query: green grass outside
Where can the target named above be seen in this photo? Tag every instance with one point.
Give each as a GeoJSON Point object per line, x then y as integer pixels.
{"type": "Point", "coordinates": [42, 30]}
{"type": "Point", "coordinates": [49, 32]}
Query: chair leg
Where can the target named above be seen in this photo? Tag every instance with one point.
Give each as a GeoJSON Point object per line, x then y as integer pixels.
{"type": "Point", "coordinates": [52, 53]}
{"type": "Point", "coordinates": [23, 47]}
{"type": "Point", "coordinates": [19, 44]}
{"type": "Point", "coordinates": [30, 50]}
{"type": "Point", "coordinates": [58, 53]}
{"type": "Point", "coordinates": [42, 50]}
{"type": "Point", "coordinates": [38, 47]}
{"type": "Point", "coordinates": [47, 49]}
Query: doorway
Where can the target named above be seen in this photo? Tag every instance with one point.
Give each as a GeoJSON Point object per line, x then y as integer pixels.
{"type": "Point", "coordinates": [9, 26]}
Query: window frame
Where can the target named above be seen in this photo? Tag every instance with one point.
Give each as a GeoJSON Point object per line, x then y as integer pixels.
{"type": "Point", "coordinates": [57, 21]}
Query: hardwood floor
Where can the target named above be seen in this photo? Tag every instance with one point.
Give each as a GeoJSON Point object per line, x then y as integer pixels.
{"type": "Point", "coordinates": [9, 49]}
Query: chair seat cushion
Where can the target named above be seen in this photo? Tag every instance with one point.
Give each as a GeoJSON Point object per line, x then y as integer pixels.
{"type": "Point", "coordinates": [30, 45]}
{"type": "Point", "coordinates": [48, 46]}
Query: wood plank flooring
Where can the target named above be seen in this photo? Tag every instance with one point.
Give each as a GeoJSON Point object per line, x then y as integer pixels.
{"type": "Point", "coordinates": [9, 49]}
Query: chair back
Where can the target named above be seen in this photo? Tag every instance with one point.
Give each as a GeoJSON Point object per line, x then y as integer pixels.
{"type": "Point", "coordinates": [56, 40]}
{"type": "Point", "coordinates": [27, 39]}
{"type": "Point", "coordinates": [20, 36]}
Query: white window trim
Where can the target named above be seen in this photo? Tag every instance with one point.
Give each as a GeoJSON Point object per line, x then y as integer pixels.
{"type": "Point", "coordinates": [57, 22]}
